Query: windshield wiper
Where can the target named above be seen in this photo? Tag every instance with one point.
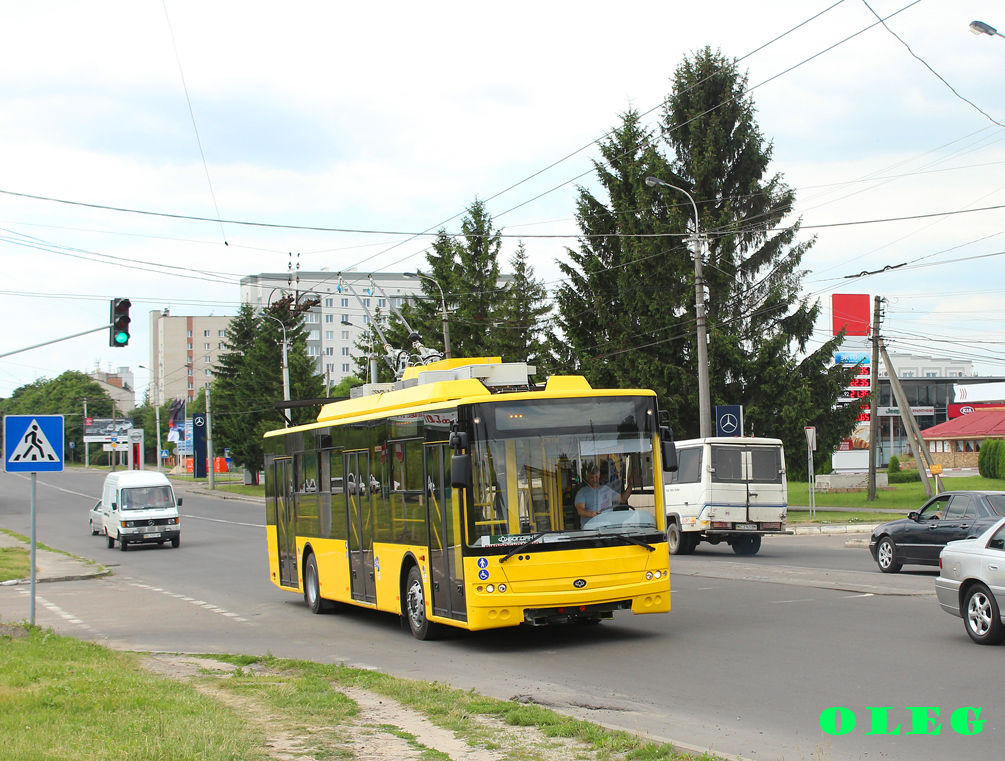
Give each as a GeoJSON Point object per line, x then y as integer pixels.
{"type": "Point", "coordinates": [633, 540]}
{"type": "Point", "coordinates": [524, 546]}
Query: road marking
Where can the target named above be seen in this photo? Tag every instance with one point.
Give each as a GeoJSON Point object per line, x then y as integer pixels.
{"type": "Point", "coordinates": [70, 618]}
{"type": "Point", "coordinates": [192, 601]}
{"type": "Point", "coordinates": [220, 520]}
{"type": "Point", "coordinates": [867, 594]}
{"type": "Point", "coordinates": [782, 602]}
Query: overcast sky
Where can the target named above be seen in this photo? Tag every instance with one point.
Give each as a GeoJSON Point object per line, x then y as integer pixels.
{"type": "Point", "coordinates": [393, 117]}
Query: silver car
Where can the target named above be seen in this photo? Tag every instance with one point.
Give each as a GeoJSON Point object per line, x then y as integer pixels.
{"type": "Point", "coordinates": [971, 583]}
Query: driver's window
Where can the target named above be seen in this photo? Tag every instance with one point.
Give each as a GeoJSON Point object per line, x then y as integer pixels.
{"type": "Point", "coordinates": [935, 509]}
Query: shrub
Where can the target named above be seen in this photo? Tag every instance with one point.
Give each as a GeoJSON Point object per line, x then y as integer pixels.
{"type": "Point", "coordinates": [894, 466]}
{"type": "Point", "coordinates": [903, 476]}
{"type": "Point", "coordinates": [990, 458]}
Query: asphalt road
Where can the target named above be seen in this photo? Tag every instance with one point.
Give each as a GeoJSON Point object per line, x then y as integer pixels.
{"type": "Point", "coordinates": [751, 654]}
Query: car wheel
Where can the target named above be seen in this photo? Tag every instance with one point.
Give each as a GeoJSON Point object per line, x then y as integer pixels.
{"type": "Point", "coordinates": [94, 531]}
{"type": "Point", "coordinates": [176, 542]}
{"type": "Point", "coordinates": [747, 545]}
{"type": "Point", "coordinates": [415, 608]}
{"type": "Point", "coordinates": [110, 541]}
{"type": "Point", "coordinates": [676, 540]}
{"type": "Point", "coordinates": [312, 587]}
{"type": "Point", "coordinates": [981, 615]}
{"type": "Point", "coordinates": [886, 556]}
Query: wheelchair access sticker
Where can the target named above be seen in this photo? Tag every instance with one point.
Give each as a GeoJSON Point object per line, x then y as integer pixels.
{"type": "Point", "coordinates": [483, 575]}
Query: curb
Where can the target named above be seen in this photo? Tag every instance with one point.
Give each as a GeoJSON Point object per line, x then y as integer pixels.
{"type": "Point", "coordinates": [47, 579]}
{"type": "Point", "coordinates": [849, 528]}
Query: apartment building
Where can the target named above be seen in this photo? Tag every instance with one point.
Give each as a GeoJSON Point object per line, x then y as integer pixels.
{"type": "Point", "coordinates": [340, 317]}
{"type": "Point", "coordinates": [183, 353]}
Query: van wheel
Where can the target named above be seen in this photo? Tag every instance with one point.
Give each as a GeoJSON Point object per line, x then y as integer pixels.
{"type": "Point", "coordinates": [676, 540]}
{"type": "Point", "coordinates": [415, 608]}
{"type": "Point", "coordinates": [176, 542]}
{"type": "Point", "coordinates": [109, 541]}
{"type": "Point", "coordinates": [123, 545]}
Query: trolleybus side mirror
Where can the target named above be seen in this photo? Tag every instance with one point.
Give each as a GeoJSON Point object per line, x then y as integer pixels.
{"type": "Point", "coordinates": [460, 471]}
{"type": "Point", "coordinates": [668, 450]}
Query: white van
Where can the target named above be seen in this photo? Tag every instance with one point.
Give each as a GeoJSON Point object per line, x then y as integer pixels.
{"type": "Point", "coordinates": [729, 490]}
{"type": "Point", "coordinates": [139, 506]}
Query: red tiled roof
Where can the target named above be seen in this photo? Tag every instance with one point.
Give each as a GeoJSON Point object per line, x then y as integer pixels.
{"type": "Point", "coordinates": [980, 424]}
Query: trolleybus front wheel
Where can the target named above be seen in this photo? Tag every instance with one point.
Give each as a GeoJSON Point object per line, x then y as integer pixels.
{"type": "Point", "coordinates": [415, 608]}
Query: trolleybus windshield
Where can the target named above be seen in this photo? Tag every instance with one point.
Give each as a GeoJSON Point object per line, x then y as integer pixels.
{"type": "Point", "coordinates": [534, 460]}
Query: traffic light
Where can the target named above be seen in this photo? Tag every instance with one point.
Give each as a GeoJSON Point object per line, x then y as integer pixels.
{"type": "Point", "coordinates": [118, 334]}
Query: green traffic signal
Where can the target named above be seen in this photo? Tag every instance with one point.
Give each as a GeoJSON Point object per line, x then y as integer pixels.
{"type": "Point", "coordinates": [119, 331]}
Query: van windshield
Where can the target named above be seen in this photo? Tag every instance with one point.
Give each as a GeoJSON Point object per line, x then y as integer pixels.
{"type": "Point", "coordinates": [147, 497]}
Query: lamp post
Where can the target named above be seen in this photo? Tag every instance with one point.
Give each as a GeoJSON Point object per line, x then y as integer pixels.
{"type": "Point", "coordinates": [443, 307]}
{"type": "Point", "coordinates": [157, 416]}
{"type": "Point", "coordinates": [698, 244]}
{"type": "Point", "coordinates": [979, 27]}
{"type": "Point", "coordinates": [286, 366]}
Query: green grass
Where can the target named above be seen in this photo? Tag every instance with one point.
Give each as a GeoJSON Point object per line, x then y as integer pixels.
{"type": "Point", "coordinates": [15, 563]}
{"type": "Point", "coordinates": [251, 491]}
{"type": "Point", "coordinates": [900, 497]}
{"type": "Point", "coordinates": [76, 701]}
{"type": "Point", "coordinates": [835, 516]}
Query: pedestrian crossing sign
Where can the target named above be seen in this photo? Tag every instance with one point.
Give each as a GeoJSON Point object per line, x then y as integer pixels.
{"type": "Point", "coordinates": [33, 443]}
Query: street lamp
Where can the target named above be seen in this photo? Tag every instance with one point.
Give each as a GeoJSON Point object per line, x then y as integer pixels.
{"type": "Point", "coordinates": [699, 242]}
{"type": "Point", "coordinates": [979, 27]}
{"type": "Point", "coordinates": [286, 365]}
{"type": "Point", "coordinates": [443, 307]}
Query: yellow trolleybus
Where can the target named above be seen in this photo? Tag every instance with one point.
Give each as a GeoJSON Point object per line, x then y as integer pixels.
{"type": "Point", "coordinates": [450, 499]}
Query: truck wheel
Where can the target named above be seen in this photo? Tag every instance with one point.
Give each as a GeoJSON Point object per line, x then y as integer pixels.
{"type": "Point", "coordinates": [746, 545]}
{"type": "Point", "coordinates": [676, 540]}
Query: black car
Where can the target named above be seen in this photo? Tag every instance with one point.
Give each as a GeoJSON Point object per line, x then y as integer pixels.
{"type": "Point", "coordinates": [946, 517]}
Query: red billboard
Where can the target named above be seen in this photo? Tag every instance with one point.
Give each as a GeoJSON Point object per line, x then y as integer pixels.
{"type": "Point", "coordinates": [850, 312]}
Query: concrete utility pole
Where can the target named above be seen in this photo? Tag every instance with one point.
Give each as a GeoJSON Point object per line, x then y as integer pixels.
{"type": "Point", "coordinates": [87, 458]}
{"type": "Point", "coordinates": [698, 242]}
{"type": "Point", "coordinates": [874, 398]}
{"type": "Point", "coordinates": [921, 456]}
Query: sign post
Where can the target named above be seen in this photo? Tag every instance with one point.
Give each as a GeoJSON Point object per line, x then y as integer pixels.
{"type": "Point", "coordinates": [33, 444]}
{"type": "Point", "coordinates": [811, 445]}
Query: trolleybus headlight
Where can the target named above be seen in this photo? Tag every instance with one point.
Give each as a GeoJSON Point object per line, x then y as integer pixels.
{"type": "Point", "coordinates": [649, 575]}
{"type": "Point", "coordinates": [502, 587]}
{"type": "Point", "coordinates": [490, 589]}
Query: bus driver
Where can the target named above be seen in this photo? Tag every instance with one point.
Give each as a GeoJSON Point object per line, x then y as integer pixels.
{"type": "Point", "coordinates": [595, 498]}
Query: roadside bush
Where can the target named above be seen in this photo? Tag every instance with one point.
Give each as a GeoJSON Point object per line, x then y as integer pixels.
{"type": "Point", "coordinates": [894, 466]}
{"type": "Point", "coordinates": [990, 458]}
{"type": "Point", "coordinates": [903, 476]}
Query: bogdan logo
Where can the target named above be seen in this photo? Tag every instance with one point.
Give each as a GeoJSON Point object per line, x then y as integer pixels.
{"type": "Point", "coordinates": [924, 720]}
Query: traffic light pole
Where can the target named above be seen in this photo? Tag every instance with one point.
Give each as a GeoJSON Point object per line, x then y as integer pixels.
{"type": "Point", "coordinates": [57, 340]}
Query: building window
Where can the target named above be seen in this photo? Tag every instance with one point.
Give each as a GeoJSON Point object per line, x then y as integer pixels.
{"type": "Point", "coordinates": [313, 351]}
{"type": "Point", "coordinates": [366, 302]}
{"type": "Point", "coordinates": [190, 346]}
{"type": "Point", "coordinates": [190, 371]}
{"type": "Point", "coordinates": [329, 335]}
{"type": "Point", "coordinates": [345, 302]}
{"type": "Point", "coordinates": [329, 303]}
{"type": "Point", "coordinates": [207, 371]}
{"type": "Point", "coordinates": [345, 335]}
{"type": "Point", "coordinates": [221, 346]}
{"type": "Point", "coordinates": [206, 359]}
{"type": "Point", "coordinates": [345, 319]}
{"type": "Point", "coordinates": [312, 317]}
{"type": "Point", "coordinates": [191, 386]}
{"type": "Point", "coordinates": [330, 350]}
{"type": "Point", "coordinates": [205, 346]}
{"type": "Point", "coordinates": [329, 318]}
{"type": "Point", "coordinates": [345, 351]}
{"type": "Point", "coordinates": [345, 368]}
{"type": "Point", "coordinates": [381, 303]}
{"type": "Point", "coordinates": [190, 334]}
{"type": "Point", "coordinates": [366, 319]}
{"type": "Point", "coordinates": [205, 333]}
{"type": "Point", "coordinates": [221, 334]}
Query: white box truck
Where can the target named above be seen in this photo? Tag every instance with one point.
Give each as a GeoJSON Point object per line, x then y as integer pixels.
{"type": "Point", "coordinates": [729, 490]}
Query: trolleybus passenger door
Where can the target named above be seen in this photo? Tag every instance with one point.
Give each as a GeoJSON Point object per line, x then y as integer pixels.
{"type": "Point", "coordinates": [286, 523]}
{"type": "Point", "coordinates": [446, 568]}
{"type": "Point", "coordinates": [359, 499]}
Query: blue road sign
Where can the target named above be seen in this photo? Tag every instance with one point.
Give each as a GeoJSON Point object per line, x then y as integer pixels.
{"type": "Point", "coordinates": [729, 420]}
{"type": "Point", "coordinates": [33, 443]}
